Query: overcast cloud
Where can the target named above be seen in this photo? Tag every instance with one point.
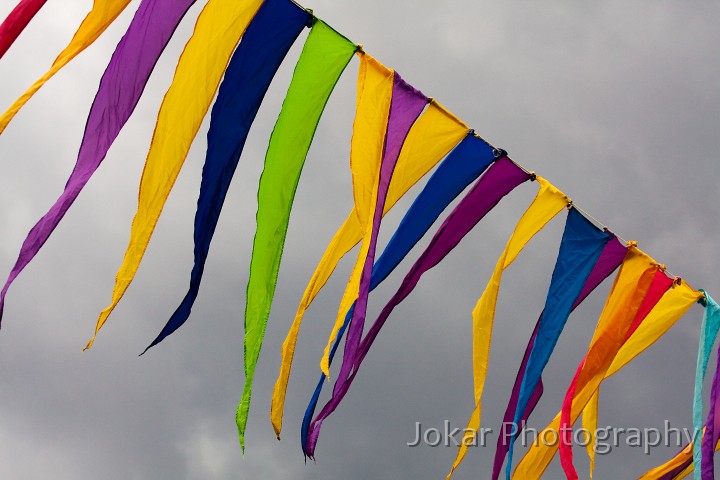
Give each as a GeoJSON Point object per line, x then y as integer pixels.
{"type": "Point", "coordinates": [614, 102]}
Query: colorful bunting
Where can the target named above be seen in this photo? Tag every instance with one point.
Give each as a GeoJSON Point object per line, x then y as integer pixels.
{"type": "Point", "coordinates": [268, 38]}
{"type": "Point", "coordinates": [432, 136]}
{"type": "Point", "coordinates": [610, 258]}
{"type": "Point", "coordinates": [612, 329]}
{"type": "Point", "coordinates": [102, 14]}
{"type": "Point", "coordinates": [668, 310]}
{"type": "Point", "coordinates": [683, 463]}
{"type": "Point", "coordinates": [197, 77]}
{"type": "Point", "coordinates": [399, 134]}
{"type": "Point", "coordinates": [624, 300]}
{"type": "Point", "coordinates": [120, 89]}
{"type": "Point", "coordinates": [580, 248]}
{"type": "Point", "coordinates": [659, 285]}
{"type": "Point", "coordinates": [497, 182]}
{"type": "Point", "coordinates": [406, 105]}
{"type": "Point", "coordinates": [465, 163]}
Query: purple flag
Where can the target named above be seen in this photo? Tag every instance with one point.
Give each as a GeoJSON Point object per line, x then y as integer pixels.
{"type": "Point", "coordinates": [120, 89]}
{"type": "Point", "coordinates": [406, 105]}
{"type": "Point", "coordinates": [498, 181]}
{"type": "Point", "coordinates": [712, 429]}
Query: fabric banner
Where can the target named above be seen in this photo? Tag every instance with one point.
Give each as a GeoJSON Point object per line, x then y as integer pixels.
{"type": "Point", "coordinates": [670, 469]}
{"type": "Point", "coordinates": [323, 59]}
{"type": "Point", "coordinates": [668, 310]}
{"type": "Point", "coordinates": [610, 258]}
{"type": "Point", "coordinates": [102, 14]}
{"type": "Point", "coordinates": [680, 466]}
{"type": "Point", "coordinates": [659, 285]}
{"type": "Point", "coordinates": [505, 439]}
{"type": "Point", "coordinates": [712, 429]}
{"type": "Point", "coordinates": [611, 331]}
{"type": "Point", "coordinates": [375, 90]}
{"type": "Point", "coordinates": [120, 89]}
{"type": "Point", "coordinates": [399, 135]}
{"type": "Point", "coordinates": [197, 76]}
{"type": "Point", "coordinates": [432, 136]}
{"type": "Point", "coordinates": [580, 248]}
{"type": "Point", "coordinates": [708, 334]}
{"type": "Point", "coordinates": [464, 164]}
{"type": "Point", "coordinates": [624, 299]}
{"type": "Point", "coordinates": [548, 202]}
{"type": "Point", "coordinates": [16, 21]}
{"type": "Point", "coordinates": [252, 67]}
{"type": "Point", "coordinates": [498, 181]}
{"type": "Point", "coordinates": [406, 105]}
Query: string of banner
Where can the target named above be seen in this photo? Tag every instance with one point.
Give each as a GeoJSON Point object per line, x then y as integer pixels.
{"type": "Point", "coordinates": [399, 135]}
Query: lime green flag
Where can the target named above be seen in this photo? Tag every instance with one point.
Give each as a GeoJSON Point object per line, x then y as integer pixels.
{"type": "Point", "coordinates": [324, 57]}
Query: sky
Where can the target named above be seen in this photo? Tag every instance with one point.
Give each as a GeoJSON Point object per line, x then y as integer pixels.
{"type": "Point", "coordinates": [613, 102]}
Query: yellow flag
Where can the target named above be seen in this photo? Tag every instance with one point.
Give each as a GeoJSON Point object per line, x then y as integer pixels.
{"type": "Point", "coordinates": [601, 356]}
{"type": "Point", "coordinates": [375, 87]}
{"type": "Point", "coordinates": [197, 76]}
{"type": "Point", "coordinates": [685, 455]}
{"type": "Point", "coordinates": [589, 424]}
{"type": "Point", "coordinates": [548, 202]}
{"type": "Point", "coordinates": [662, 470]}
{"type": "Point", "coordinates": [668, 310]}
{"type": "Point", "coordinates": [433, 135]}
{"type": "Point", "coordinates": [102, 14]}
{"type": "Point", "coordinates": [374, 94]}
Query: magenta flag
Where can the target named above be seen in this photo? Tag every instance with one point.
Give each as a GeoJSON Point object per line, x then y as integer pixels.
{"type": "Point", "coordinates": [16, 22]}
{"type": "Point", "coordinates": [499, 180]}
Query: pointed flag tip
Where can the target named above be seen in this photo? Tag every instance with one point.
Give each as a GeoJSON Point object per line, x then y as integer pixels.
{"type": "Point", "coordinates": [146, 349]}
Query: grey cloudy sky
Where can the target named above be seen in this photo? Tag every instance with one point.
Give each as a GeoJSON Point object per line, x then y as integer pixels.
{"type": "Point", "coordinates": [614, 102]}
